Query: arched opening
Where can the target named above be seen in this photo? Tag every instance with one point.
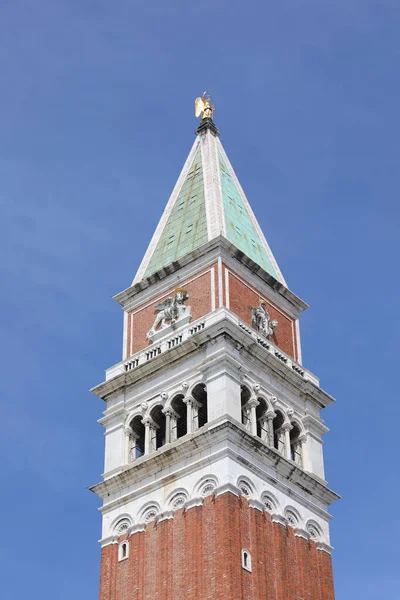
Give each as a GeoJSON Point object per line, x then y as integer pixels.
{"type": "Point", "coordinates": [159, 419]}
{"type": "Point", "coordinates": [200, 418]}
{"type": "Point", "coordinates": [295, 445]}
{"type": "Point", "coordinates": [136, 449]}
{"type": "Point", "coordinates": [246, 560]}
{"type": "Point", "coordinates": [179, 423]}
{"type": "Point", "coordinates": [123, 551]}
{"type": "Point", "coordinates": [262, 424]}
{"type": "Point", "coordinates": [279, 437]}
{"type": "Point", "coordinates": [244, 398]}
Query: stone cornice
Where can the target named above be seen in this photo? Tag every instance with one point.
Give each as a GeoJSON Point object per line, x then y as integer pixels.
{"type": "Point", "coordinates": [219, 242]}
{"type": "Point", "coordinates": [235, 437]}
{"type": "Point", "coordinates": [221, 323]}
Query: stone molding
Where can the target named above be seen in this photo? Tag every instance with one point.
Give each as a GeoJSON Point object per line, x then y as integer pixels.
{"type": "Point", "coordinates": [193, 502]}
{"type": "Point", "coordinates": [276, 517]}
{"type": "Point", "coordinates": [324, 547]}
{"type": "Point", "coordinates": [253, 503]}
{"type": "Point", "coordinates": [299, 532]}
{"type": "Point", "coordinates": [227, 487]}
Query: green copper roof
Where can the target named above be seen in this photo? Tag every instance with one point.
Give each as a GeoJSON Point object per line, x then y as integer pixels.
{"type": "Point", "coordinates": [240, 229]}
{"type": "Point", "coordinates": [186, 228]}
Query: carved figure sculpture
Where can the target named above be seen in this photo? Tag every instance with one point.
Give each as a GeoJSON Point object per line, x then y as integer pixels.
{"type": "Point", "coordinates": [260, 320]}
{"type": "Point", "coordinates": [170, 311]}
{"type": "Point", "coordinates": [203, 105]}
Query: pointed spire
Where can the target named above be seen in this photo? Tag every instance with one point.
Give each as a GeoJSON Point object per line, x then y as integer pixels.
{"type": "Point", "coordinates": [207, 201]}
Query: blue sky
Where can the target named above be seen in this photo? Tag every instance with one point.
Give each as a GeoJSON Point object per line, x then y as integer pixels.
{"type": "Point", "coordinates": [96, 110]}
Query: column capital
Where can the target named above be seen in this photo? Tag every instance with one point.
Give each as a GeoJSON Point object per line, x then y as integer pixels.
{"type": "Point", "coordinates": [168, 410]}
{"type": "Point", "coordinates": [252, 402]}
{"type": "Point", "coordinates": [270, 414]}
{"type": "Point", "coordinates": [286, 427]}
{"type": "Point", "coordinates": [192, 401]}
{"type": "Point", "coordinates": [149, 421]}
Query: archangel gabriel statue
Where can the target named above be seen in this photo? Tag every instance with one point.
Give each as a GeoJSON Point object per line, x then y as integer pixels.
{"type": "Point", "coordinates": [203, 105]}
{"type": "Point", "coordinates": [261, 321]}
{"type": "Point", "coordinates": [170, 311]}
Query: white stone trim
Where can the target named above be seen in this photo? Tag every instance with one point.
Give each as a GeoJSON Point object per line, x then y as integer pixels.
{"type": "Point", "coordinates": [246, 560]}
{"type": "Point", "coordinates": [325, 547]}
{"type": "Point", "coordinates": [165, 516]}
{"type": "Point", "coordinates": [299, 532]}
{"type": "Point", "coordinates": [277, 518]}
{"type": "Point", "coordinates": [220, 283]}
{"type": "Point", "coordinates": [299, 352]}
{"type": "Point", "coordinates": [253, 503]}
{"type": "Point", "coordinates": [227, 299]}
{"type": "Point", "coordinates": [131, 340]}
{"type": "Point", "coordinates": [107, 541]}
{"type": "Point", "coordinates": [227, 487]}
{"type": "Point", "coordinates": [209, 187]}
{"type": "Point", "coordinates": [212, 285]}
{"type": "Point", "coordinates": [193, 502]}
{"type": "Point", "coordinates": [125, 336]}
{"type": "Point", "coordinates": [138, 528]}
{"type": "Point", "coordinates": [121, 555]}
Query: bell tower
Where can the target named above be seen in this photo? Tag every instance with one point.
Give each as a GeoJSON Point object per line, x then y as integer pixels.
{"type": "Point", "coordinates": [213, 484]}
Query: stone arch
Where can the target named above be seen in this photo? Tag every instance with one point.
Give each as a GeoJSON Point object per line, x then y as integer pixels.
{"type": "Point", "coordinates": [179, 421]}
{"type": "Point", "coordinates": [270, 502]}
{"type": "Point", "coordinates": [177, 499]}
{"type": "Point", "coordinates": [262, 425]}
{"type": "Point", "coordinates": [136, 438]}
{"type": "Point", "coordinates": [295, 436]}
{"type": "Point", "coordinates": [158, 418]}
{"type": "Point", "coordinates": [278, 433]}
{"type": "Point", "coordinates": [245, 395]}
{"type": "Point", "coordinates": [121, 524]}
{"type": "Point", "coordinates": [149, 512]}
{"type": "Point", "coordinates": [292, 516]}
{"type": "Point", "coordinates": [206, 485]}
{"type": "Point", "coordinates": [314, 530]}
{"type": "Point", "coordinates": [199, 393]}
{"type": "Point", "coordinates": [246, 486]}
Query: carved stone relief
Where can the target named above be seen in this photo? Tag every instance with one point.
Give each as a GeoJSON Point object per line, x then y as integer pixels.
{"type": "Point", "coordinates": [261, 321]}
{"type": "Point", "coordinates": [169, 312]}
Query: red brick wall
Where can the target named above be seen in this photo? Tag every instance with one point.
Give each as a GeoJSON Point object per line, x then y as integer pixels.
{"type": "Point", "coordinates": [242, 296]}
{"type": "Point", "coordinates": [199, 289]}
{"type": "Point", "coordinates": [197, 556]}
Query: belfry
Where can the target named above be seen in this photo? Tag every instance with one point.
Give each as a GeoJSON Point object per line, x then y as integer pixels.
{"type": "Point", "coordinates": [213, 484]}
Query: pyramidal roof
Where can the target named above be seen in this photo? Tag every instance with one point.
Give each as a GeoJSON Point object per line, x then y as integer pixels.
{"type": "Point", "coordinates": [207, 201]}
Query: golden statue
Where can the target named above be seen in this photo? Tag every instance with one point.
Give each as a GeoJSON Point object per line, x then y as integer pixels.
{"type": "Point", "coordinates": [203, 105]}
